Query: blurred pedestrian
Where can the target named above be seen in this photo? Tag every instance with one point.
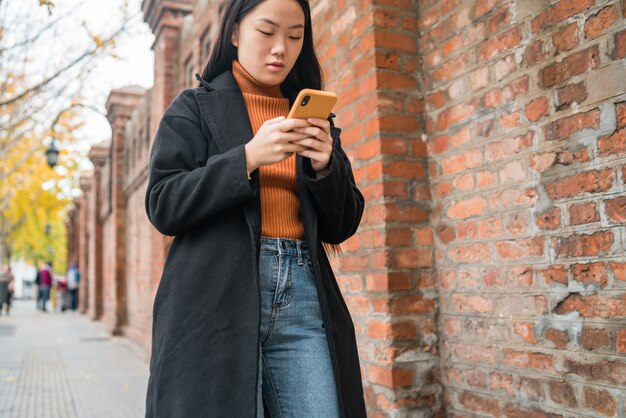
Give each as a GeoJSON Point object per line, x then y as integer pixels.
{"type": "Point", "coordinates": [45, 285]}
{"type": "Point", "coordinates": [6, 288]}
{"type": "Point", "coordinates": [72, 277]}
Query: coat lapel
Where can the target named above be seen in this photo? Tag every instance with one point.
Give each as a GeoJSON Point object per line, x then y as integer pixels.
{"type": "Point", "coordinates": [224, 110]}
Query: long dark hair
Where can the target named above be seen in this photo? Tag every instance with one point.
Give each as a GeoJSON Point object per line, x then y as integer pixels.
{"type": "Point", "coordinates": [306, 73]}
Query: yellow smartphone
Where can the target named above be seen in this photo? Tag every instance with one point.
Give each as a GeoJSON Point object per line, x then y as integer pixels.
{"type": "Point", "coordinates": [312, 103]}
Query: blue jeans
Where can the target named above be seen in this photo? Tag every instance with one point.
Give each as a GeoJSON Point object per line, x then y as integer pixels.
{"type": "Point", "coordinates": [296, 374]}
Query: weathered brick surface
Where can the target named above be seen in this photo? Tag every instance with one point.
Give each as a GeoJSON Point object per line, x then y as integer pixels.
{"type": "Point", "coordinates": [487, 277]}
{"type": "Point", "coordinates": [530, 211]}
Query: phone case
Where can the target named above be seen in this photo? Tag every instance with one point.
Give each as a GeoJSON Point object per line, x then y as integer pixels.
{"type": "Point", "coordinates": [319, 104]}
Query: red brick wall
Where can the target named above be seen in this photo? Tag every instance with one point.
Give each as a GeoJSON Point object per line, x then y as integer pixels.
{"type": "Point", "coordinates": [368, 51]}
{"type": "Point", "coordinates": [525, 117]}
{"type": "Point", "coordinates": [488, 275]}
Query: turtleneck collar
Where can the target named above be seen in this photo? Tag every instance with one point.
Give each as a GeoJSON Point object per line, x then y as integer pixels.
{"type": "Point", "coordinates": [250, 85]}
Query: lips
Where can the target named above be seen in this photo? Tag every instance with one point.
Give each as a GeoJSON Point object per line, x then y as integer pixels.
{"type": "Point", "coordinates": [276, 64]}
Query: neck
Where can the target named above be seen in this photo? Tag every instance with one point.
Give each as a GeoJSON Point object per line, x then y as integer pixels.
{"type": "Point", "coordinates": [250, 85]}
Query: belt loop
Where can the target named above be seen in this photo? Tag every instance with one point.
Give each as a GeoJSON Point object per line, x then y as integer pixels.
{"type": "Point", "coordinates": [298, 246]}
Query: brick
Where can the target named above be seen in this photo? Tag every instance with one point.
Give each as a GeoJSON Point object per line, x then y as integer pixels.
{"type": "Point", "coordinates": [538, 108]}
{"type": "Point", "coordinates": [563, 393]}
{"type": "Point", "coordinates": [509, 277]}
{"type": "Point", "coordinates": [577, 184]}
{"type": "Point", "coordinates": [505, 41]}
{"type": "Point", "coordinates": [577, 245]}
{"type": "Point", "coordinates": [476, 378]}
{"type": "Point", "coordinates": [554, 274]}
{"type": "Point", "coordinates": [559, 12]}
{"type": "Point", "coordinates": [481, 8]}
{"type": "Point", "coordinates": [455, 114]}
{"type": "Point", "coordinates": [565, 127]}
{"type": "Point", "coordinates": [616, 209]}
{"type": "Point", "coordinates": [620, 109]}
{"type": "Point", "coordinates": [466, 230]}
{"type": "Point", "coordinates": [570, 94]}
{"type": "Point", "coordinates": [404, 305]}
{"type": "Point", "coordinates": [528, 359]}
{"type": "Point", "coordinates": [583, 213]}
{"type": "Point", "coordinates": [475, 353]}
{"type": "Point", "coordinates": [467, 208]}
{"type": "Point", "coordinates": [620, 341]}
{"type": "Point", "coordinates": [541, 162]}
{"type": "Point", "coordinates": [572, 65]}
{"type": "Point", "coordinates": [619, 270]}
{"type": "Point", "coordinates": [508, 147]}
{"type": "Point", "coordinates": [510, 198]}
{"type": "Point", "coordinates": [597, 24]}
{"type": "Point", "coordinates": [504, 67]}
{"type": "Point", "coordinates": [389, 377]}
{"type": "Point", "coordinates": [513, 172]}
{"type": "Point", "coordinates": [464, 182]}
{"type": "Point", "coordinates": [595, 338]}
{"type": "Point", "coordinates": [480, 403]}
{"type": "Point", "coordinates": [566, 38]}
{"type": "Point", "coordinates": [594, 306]}
{"type": "Point", "coordinates": [591, 273]}
{"type": "Point", "coordinates": [619, 40]}
{"type": "Point", "coordinates": [499, 96]}
{"type": "Point", "coordinates": [454, 67]}
{"type": "Point", "coordinates": [533, 54]}
{"type": "Point", "coordinates": [402, 330]}
{"type": "Point", "coordinates": [387, 281]}
{"type": "Point", "coordinates": [558, 337]}
{"type": "Point", "coordinates": [518, 305]}
{"type": "Point", "coordinates": [412, 258]}
{"type": "Point", "coordinates": [549, 219]}
{"type": "Point", "coordinates": [462, 161]}
{"type": "Point", "coordinates": [613, 144]}
{"type": "Point", "coordinates": [490, 227]}
{"type": "Point", "coordinates": [520, 248]}
{"type": "Point", "coordinates": [473, 304]}
{"type": "Point", "coordinates": [601, 371]}
{"type": "Point", "coordinates": [469, 278]}
{"type": "Point", "coordinates": [485, 179]}
{"type": "Point", "coordinates": [525, 330]}
{"type": "Point", "coordinates": [469, 253]}
{"type": "Point", "coordinates": [601, 401]}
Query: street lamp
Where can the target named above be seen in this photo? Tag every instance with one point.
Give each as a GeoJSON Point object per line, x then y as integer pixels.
{"type": "Point", "coordinates": [52, 154]}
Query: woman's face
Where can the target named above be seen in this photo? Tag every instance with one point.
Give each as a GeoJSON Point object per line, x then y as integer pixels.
{"type": "Point", "coordinates": [269, 40]}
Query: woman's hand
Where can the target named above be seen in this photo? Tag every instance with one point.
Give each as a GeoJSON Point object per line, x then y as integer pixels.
{"type": "Point", "coordinates": [275, 141]}
{"type": "Point", "coordinates": [318, 143]}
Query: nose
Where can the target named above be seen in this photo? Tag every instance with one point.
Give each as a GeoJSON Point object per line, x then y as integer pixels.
{"type": "Point", "coordinates": [279, 47]}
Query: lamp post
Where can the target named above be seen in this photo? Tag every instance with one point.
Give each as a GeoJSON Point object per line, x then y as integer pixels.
{"type": "Point", "coordinates": [52, 154]}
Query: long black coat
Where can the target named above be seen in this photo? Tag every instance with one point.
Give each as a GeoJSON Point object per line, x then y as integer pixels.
{"type": "Point", "coordinates": [205, 334]}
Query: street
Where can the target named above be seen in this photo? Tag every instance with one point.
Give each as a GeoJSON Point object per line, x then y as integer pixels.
{"type": "Point", "coordinates": [63, 365]}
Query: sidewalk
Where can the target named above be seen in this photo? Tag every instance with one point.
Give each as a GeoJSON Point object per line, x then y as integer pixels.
{"type": "Point", "coordinates": [63, 365]}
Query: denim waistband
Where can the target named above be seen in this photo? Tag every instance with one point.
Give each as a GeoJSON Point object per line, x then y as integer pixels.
{"type": "Point", "coordinates": [285, 246]}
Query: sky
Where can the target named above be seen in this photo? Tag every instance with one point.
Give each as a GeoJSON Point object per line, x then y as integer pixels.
{"type": "Point", "coordinates": [133, 67]}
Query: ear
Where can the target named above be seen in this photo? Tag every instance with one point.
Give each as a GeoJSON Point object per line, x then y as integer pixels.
{"type": "Point", "coordinates": [234, 39]}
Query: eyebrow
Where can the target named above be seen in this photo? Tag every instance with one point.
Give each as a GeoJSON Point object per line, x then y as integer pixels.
{"type": "Point", "coordinates": [263, 19]}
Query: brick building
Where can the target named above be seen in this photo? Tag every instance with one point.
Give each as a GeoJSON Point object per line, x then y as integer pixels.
{"type": "Point", "coordinates": [488, 277]}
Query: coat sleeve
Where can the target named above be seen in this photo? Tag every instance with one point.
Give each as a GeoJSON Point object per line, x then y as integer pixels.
{"type": "Point", "coordinates": [338, 201]}
{"type": "Point", "coordinates": [185, 188]}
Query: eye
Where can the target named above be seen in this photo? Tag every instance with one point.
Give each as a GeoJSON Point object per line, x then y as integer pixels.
{"type": "Point", "coordinates": [295, 38]}
{"type": "Point", "coordinates": [265, 33]}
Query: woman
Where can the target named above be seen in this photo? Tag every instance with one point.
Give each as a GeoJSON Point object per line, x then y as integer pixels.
{"type": "Point", "coordinates": [248, 318]}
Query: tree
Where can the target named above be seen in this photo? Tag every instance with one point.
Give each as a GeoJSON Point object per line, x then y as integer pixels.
{"type": "Point", "coordinates": [40, 98]}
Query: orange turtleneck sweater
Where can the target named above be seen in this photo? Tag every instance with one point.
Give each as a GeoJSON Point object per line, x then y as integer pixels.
{"type": "Point", "coordinates": [280, 205]}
